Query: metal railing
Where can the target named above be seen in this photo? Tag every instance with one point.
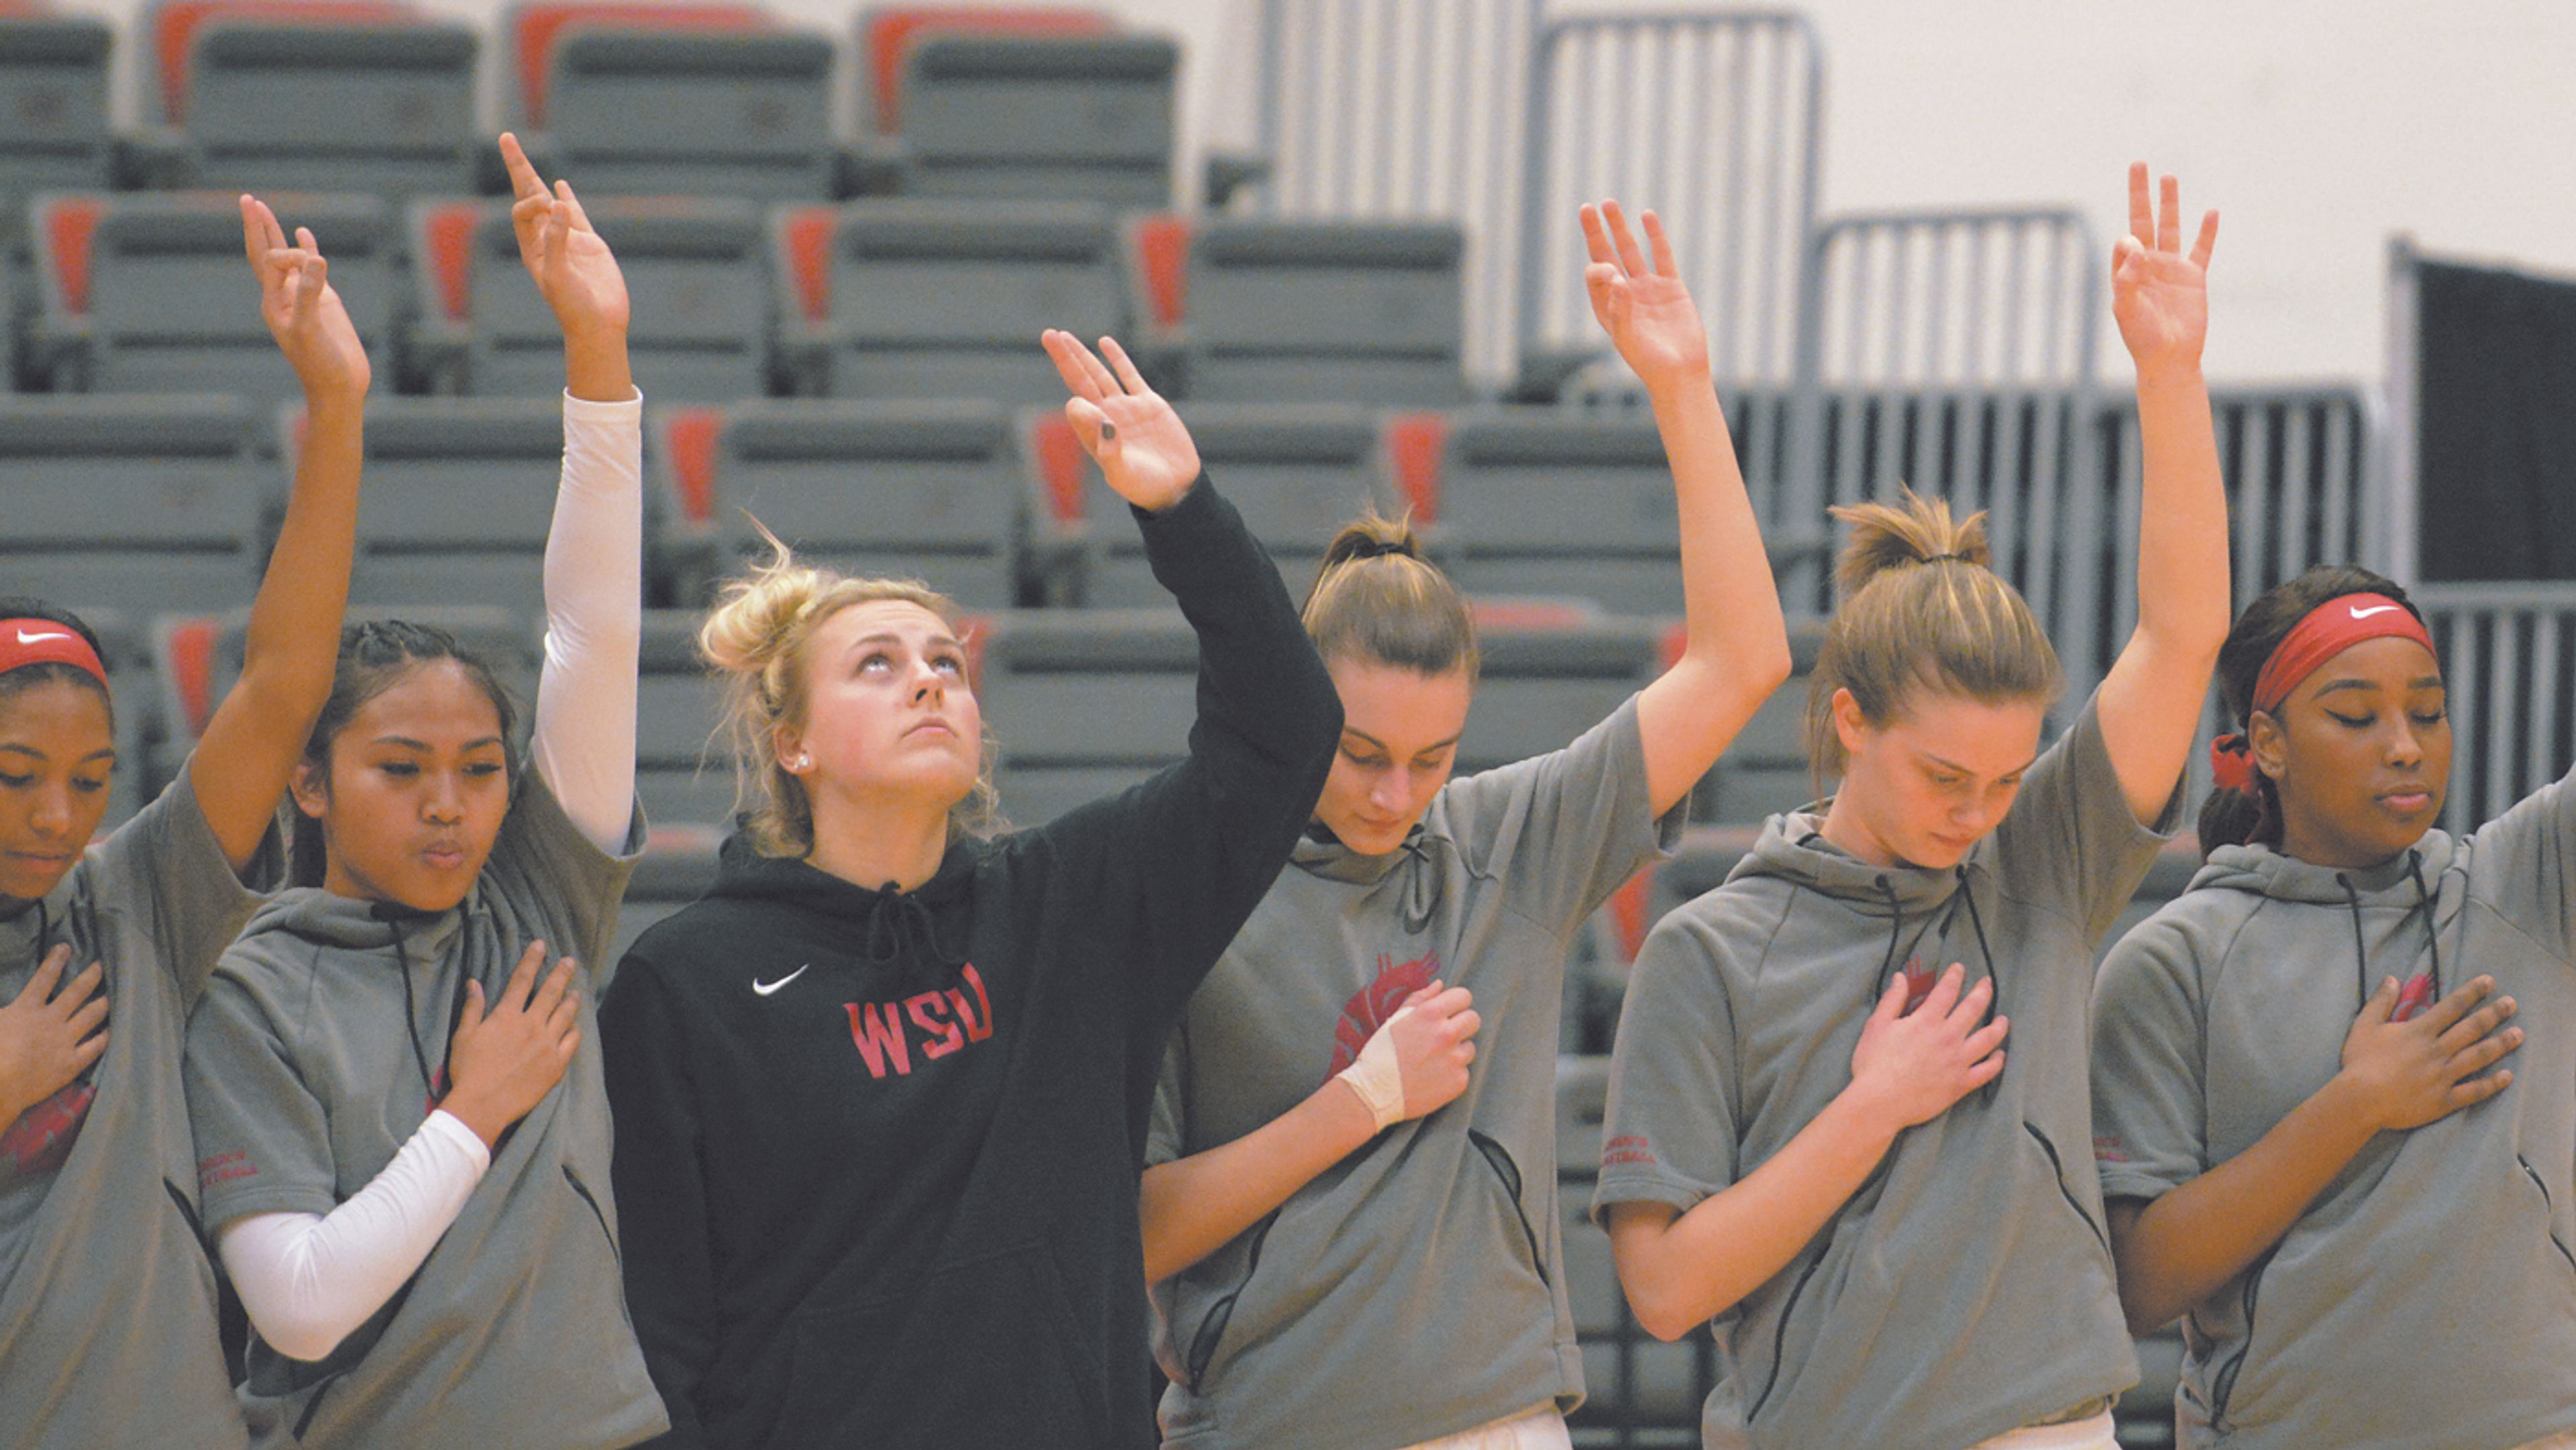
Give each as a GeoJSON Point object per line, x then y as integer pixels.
{"type": "Point", "coordinates": [2306, 467]}
{"type": "Point", "coordinates": [1404, 109]}
{"type": "Point", "coordinates": [1712, 119]}
{"type": "Point", "coordinates": [1952, 352]}
{"type": "Point", "coordinates": [2508, 656]}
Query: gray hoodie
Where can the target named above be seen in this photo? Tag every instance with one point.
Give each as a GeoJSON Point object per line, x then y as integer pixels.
{"type": "Point", "coordinates": [1415, 1289]}
{"type": "Point", "coordinates": [302, 1085]}
{"type": "Point", "coordinates": [1967, 1288]}
{"type": "Point", "coordinates": [107, 1300]}
{"type": "Point", "coordinates": [2429, 1297]}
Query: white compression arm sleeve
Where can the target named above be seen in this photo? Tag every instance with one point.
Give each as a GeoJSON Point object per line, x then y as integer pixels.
{"type": "Point", "coordinates": [584, 741]}
{"type": "Point", "coordinates": [308, 1279]}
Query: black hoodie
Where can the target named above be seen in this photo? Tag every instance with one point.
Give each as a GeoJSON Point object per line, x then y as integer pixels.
{"type": "Point", "coordinates": [877, 1152]}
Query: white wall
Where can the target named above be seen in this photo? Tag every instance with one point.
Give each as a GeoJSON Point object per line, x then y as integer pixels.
{"type": "Point", "coordinates": [2318, 127]}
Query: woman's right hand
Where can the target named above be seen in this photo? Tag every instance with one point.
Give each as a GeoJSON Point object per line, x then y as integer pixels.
{"type": "Point", "coordinates": [1416, 1061]}
{"type": "Point", "coordinates": [1911, 1066]}
{"type": "Point", "coordinates": [2411, 1073]}
{"type": "Point", "coordinates": [504, 1062]}
{"type": "Point", "coordinates": [1433, 1035]}
{"type": "Point", "coordinates": [48, 1038]}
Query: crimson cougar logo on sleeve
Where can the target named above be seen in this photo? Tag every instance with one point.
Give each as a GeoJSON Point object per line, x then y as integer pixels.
{"type": "Point", "coordinates": [1369, 1008]}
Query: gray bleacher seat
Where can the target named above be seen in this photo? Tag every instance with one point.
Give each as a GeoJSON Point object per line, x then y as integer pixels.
{"type": "Point", "coordinates": [325, 96]}
{"type": "Point", "coordinates": [145, 503]}
{"type": "Point", "coordinates": [1296, 471]}
{"type": "Point", "coordinates": [1288, 311]}
{"type": "Point", "coordinates": [693, 276]}
{"type": "Point", "coordinates": [198, 656]}
{"type": "Point", "coordinates": [459, 495]}
{"type": "Point", "coordinates": [149, 292]}
{"type": "Point", "coordinates": [923, 490]}
{"type": "Point", "coordinates": [53, 89]}
{"type": "Point", "coordinates": [1551, 672]}
{"type": "Point", "coordinates": [1557, 502]}
{"type": "Point", "coordinates": [1086, 703]}
{"type": "Point", "coordinates": [901, 298]}
{"type": "Point", "coordinates": [1039, 116]}
{"type": "Point", "coordinates": [710, 100]}
{"type": "Point", "coordinates": [682, 779]}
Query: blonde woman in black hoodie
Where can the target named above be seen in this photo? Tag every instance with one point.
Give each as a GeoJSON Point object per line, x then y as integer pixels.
{"type": "Point", "coordinates": [881, 1095]}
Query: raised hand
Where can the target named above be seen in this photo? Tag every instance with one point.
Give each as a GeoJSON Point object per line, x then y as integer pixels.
{"type": "Point", "coordinates": [48, 1038]}
{"type": "Point", "coordinates": [1125, 426]}
{"type": "Point", "coordinates": [504, 1063]}
{"type": "Point", "coordinates": [572, 266]}
{"type": "Point", "coordinates": [2413, 1072]}
{"type": "Point", "coordinates": [1911, 1066]}
{"type": "Point", "coordinates": [1647, 311]}
{"type": "Point", "coordinates": [2160, 295]}
{"type": "Point", "coordinates": [302, 311]}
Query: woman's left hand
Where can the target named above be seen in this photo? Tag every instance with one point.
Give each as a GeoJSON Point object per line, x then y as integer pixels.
{"type": "Point", "coordinates": [571, 263]}
{"type": "Point", "coordinates": [1138, 441]}
{"type": "Point", "coordinates": [1646, 310]}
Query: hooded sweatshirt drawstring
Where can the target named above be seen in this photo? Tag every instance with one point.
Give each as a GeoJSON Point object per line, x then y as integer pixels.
{"type": "Point", "coordinates": [1994, 969]}
{"type": "Point", "coordinates": [1895, 931]}
{"type": "Point", "coordinates": [2424, 903]}
{"type": "Point", "coordinates": [898, 918]}
{"type": "Point", "coordinates": [2360, 950]}
{"type": "Point", "coordinates": [397, 917]}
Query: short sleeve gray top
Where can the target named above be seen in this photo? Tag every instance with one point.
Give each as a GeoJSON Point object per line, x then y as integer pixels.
{"type": "Point", "coordinates": [2450, 1250]}
{"type": "Point", "coordinates": [1967, 1288]}
{"type": "Point", "coordinates": [85, 1329]}
{"type": "Point", "coordinates": [303, 1084]}
{"type": "Point", "coordinates": [1305, 1331]}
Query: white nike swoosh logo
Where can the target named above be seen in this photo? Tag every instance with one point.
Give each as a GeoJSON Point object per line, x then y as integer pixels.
{"type": "Point", "coordinates": [2360, 613]}
{"type": "Point", "coordinates": [26, 638]}
{"type": "Point", "coordinates": [765, 988]}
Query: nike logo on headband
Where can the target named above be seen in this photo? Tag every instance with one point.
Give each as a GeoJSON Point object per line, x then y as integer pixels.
{"type": "Point", "coordinates": [26, 638]}
{"type": "Point", "coordinates": [2360, 613]}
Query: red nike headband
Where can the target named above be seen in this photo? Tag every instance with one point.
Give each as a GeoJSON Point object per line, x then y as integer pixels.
{"type": "Point", "coordinates": [2328, 630]}
{"type": "Point", "coordinates": [26, 642]}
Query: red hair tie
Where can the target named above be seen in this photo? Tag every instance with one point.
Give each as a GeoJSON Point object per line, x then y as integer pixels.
{"type": "Point", "coordinates": [2231, 763]}
{"type": "Point", "coordinates": [26, 642]}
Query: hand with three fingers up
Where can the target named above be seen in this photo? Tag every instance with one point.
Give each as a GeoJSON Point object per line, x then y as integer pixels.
{"type": "Point", "coordinates": [1126, 427]}
{"type": "Point", "coordinates": [303, 312]}
{"type": "Point", "coordinates": [577, 275]}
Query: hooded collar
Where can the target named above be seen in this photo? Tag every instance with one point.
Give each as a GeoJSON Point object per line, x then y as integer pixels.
{"type": "Point", "coordinates": [2401, 882]}
{"type": "Point", "coordinates": [2266, 872]}
{"type": "Point", "coordinates": [1793, 848]}
{"type": "Point", "coordinates": [1319, 852]}
{"type": "Point", "coordinates": [324, 919]}
{"type": "Point", "coordinates": [924, 928]}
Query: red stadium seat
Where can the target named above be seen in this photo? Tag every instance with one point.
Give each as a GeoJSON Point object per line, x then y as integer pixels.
{"type": "Point", "coordinates": [536, 31]}
{"type": "Point", "coordinates": [175, 27]}
{"type": "Point", "coordinates": [1416, 443]}
{"type": "Point", "coordinates": [887, 38]}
